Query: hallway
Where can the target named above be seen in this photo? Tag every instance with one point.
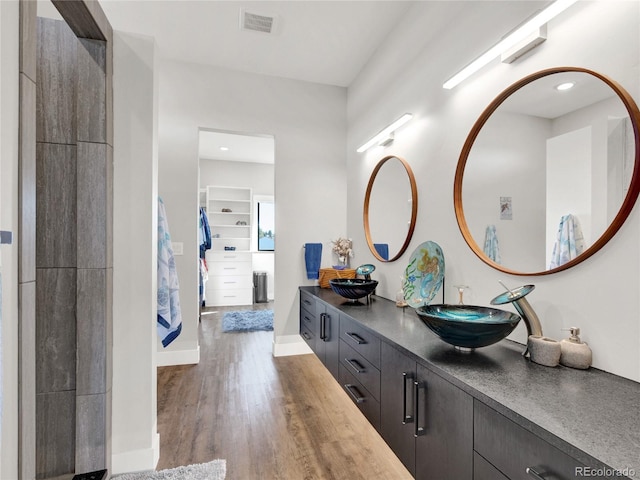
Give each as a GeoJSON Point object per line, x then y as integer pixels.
{"type": "Point", "coordinates": [270, 418]}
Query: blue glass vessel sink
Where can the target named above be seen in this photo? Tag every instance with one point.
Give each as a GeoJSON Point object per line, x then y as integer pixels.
{"type": "Point", "coordinates": [468, 326]}
{"type": "Point", "coordinates": [353, 288]}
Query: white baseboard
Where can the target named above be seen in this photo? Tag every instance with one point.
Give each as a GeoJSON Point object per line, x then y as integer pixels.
{"type": "Point", "coordinates": [286, 345]}
{"type": "Point", "coordinates": [137, 460]}
{"type": "Point", "coordinates": [169, 358]}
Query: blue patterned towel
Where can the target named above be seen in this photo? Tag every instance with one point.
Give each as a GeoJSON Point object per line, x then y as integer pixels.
{"type": "Point", "coordinates": [169, 315]}
{"type": "Point", "coordinates": [491, 248]}
{"type": "Point", "coordinates": [569, 241]}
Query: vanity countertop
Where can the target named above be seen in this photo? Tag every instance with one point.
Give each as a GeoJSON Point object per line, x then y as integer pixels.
{"type": "Point", "coordinates": [591, 415]}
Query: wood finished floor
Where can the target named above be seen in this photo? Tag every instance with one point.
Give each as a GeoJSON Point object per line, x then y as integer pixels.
{"type": "Point", "coordinates": [270, 418]}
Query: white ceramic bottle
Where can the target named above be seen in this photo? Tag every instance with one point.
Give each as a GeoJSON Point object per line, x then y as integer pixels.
{"type": "Point", "coordinates": [574, 352]}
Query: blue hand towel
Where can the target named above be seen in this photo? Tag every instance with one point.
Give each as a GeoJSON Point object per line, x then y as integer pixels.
{"type": "Point", "coordinates": [312, 259]}
{"type": "Point", "coordinates": [382, 249]}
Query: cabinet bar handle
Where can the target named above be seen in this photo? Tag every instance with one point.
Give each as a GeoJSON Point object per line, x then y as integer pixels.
{"type": "Point", "coordinates": [355, 337]}
{"type": "Point", "coordinates": [405, 418]}
{"type": "Point", "coordinates": [323, 327]}
{"type": "Point", "coordinates": [355, 365]}
{"type": "Point", "coordinates": [418, 430]}
{"type": "Point", "coordinates": [533, 474]}
{"type": "Point", "coordinates": [355, 394]}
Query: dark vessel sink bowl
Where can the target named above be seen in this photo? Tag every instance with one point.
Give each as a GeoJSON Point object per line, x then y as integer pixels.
{"type": "Point", "coordinates": [353, 288]}
{"type": "Point", "coordinates": [468, 326]}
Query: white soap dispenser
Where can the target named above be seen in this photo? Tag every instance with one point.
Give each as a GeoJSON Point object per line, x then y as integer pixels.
{"type": "Point", "coordinates": [574, 352]}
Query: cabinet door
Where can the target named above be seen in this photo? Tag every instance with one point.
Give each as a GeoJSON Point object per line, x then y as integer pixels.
{"type": "Point", "coordinates": [397, 377]}
{"type": "Point", "coordinates": [444, 417]}
{"type": "Point", "coordinates": [328, 337]}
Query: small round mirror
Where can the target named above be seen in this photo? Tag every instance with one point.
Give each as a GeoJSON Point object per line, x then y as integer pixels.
{"type": "Point", "coordinates": [390, 208]}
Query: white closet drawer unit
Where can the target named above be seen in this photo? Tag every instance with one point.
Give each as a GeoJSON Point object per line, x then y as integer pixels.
{"type": "Point", "coordinates": [230, 278]}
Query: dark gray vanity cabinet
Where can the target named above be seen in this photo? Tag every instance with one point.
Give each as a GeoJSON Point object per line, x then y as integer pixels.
{"type": "Point", "coordinates": [427, 421]}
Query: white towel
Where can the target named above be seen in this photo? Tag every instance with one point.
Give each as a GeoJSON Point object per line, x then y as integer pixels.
{"type": "Point", "coordinates": [169, 315]}
{"type": "Point", "coordinates": [569, 241]}
{"type": "Point", "coordinates": [491, 247]}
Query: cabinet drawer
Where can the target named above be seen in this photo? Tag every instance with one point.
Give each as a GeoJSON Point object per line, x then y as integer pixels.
{"type": "Point", "coordinates": [230, 297]}
{"type": "Point", "coordinates": [217, 269]}
{"type": "Point", "coordinates": [230, 282]}
{"type": "Point", "coordinates": [307, 302]}
{"type": "Point", "coordinates": [361, 368]}
{"type": "Point", "coordinates": [368, 405]}
{"type": "Point", "coordinates": [213, 256]}
{"type": "Point", "coordinates": [307, 334]}
{"type": "Point", "coordinates": [483, 470]}
{"type": "Point", "coordinates": [361, 340]}
{"type": "Point", "coordinates": [512, 449]}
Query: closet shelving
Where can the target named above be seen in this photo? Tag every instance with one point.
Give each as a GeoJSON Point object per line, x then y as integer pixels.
{"type": "Point", "coordinates": [229, 214]}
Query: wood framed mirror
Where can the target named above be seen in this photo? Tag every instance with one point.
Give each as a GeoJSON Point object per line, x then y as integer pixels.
{"type": "Point", "coordinates": [390, 208]}
{"type": "Point", "coordinates": [537, 159]}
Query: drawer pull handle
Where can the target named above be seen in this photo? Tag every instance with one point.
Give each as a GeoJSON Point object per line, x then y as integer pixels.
{"type": "Point", "coordinates": [306, 335]}
{"type": "Point", "coordinates": [228, 268]}
{"type": "Point", "coordinates": [307, 302]}
{"type": "Point", "coordinates": [355, 365]}
{"type": "Point", "coordinates": [355, 394]}
{"type": "Point", "coordinates": [228, 283]}
{"type": "Point", "coordinates": [307, 319]}
{"type": "Point", "coordinates": [405, 417]}
{"type": "Point", "coordinates": [355, 337]}
{"type": "Point", "coordinates": [533, 474]}
{"type": "Point", "coordinates": [323, 327]}
{"type": "Point", "coordinates": [418, 430]}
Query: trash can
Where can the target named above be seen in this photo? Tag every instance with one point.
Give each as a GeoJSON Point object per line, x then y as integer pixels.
{"type": "Point", "coordinates": [260, 287]}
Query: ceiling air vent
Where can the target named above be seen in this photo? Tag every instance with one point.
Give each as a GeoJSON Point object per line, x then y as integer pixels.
{"type": "Point", "coordinates": [256, 22]}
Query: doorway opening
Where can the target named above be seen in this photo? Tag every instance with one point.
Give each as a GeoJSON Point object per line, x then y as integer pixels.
{"type": "Point", "coordinates": [237, 201]}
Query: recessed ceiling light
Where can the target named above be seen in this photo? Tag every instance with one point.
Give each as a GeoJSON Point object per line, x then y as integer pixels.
{"type": "Point", "coordinates": [224, 149]}
{"type": "Point", "coordinates": [565, 86]}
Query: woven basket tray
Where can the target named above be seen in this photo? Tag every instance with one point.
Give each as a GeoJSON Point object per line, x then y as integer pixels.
{"type": "Point", "coordinates": [327, 274]}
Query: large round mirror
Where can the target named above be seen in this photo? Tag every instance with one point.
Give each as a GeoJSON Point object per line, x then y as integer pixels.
{"type": "Point", "coordinates": [549, 172]}
{"type": "Point", "coordinates": [390, 208]}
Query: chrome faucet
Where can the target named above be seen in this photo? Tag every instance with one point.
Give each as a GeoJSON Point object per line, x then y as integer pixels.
{"type": "Point", "coordinates": [523, 307]}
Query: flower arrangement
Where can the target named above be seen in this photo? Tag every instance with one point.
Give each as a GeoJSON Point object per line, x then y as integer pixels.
{"type": "Point", "coordinates": [343, 247]}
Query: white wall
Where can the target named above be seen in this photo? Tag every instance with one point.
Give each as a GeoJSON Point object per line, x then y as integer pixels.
{"type": "Point", "coordinates": [9, 221]}
{"type": "Point", "coordinates": [135, 443]}
{"type": "Point", "coordinates": [600, 295]}
{"type": "Point", "coordinates": [308, 122]}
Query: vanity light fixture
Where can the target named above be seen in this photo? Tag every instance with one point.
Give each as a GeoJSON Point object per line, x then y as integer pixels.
{"type": "Point", "coordinates": [565, 86]}
{"type": "Point", "coordinates": [509, 41]}
{"type": "Point", "coordinates": [385, 136]}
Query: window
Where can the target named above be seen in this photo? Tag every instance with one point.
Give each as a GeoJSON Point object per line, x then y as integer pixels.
{"type": "Point", "coordinates": [266, 226]}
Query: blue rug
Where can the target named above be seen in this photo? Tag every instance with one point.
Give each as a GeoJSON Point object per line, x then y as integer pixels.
{"type": "Point", "coordinates": [247, 321]}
